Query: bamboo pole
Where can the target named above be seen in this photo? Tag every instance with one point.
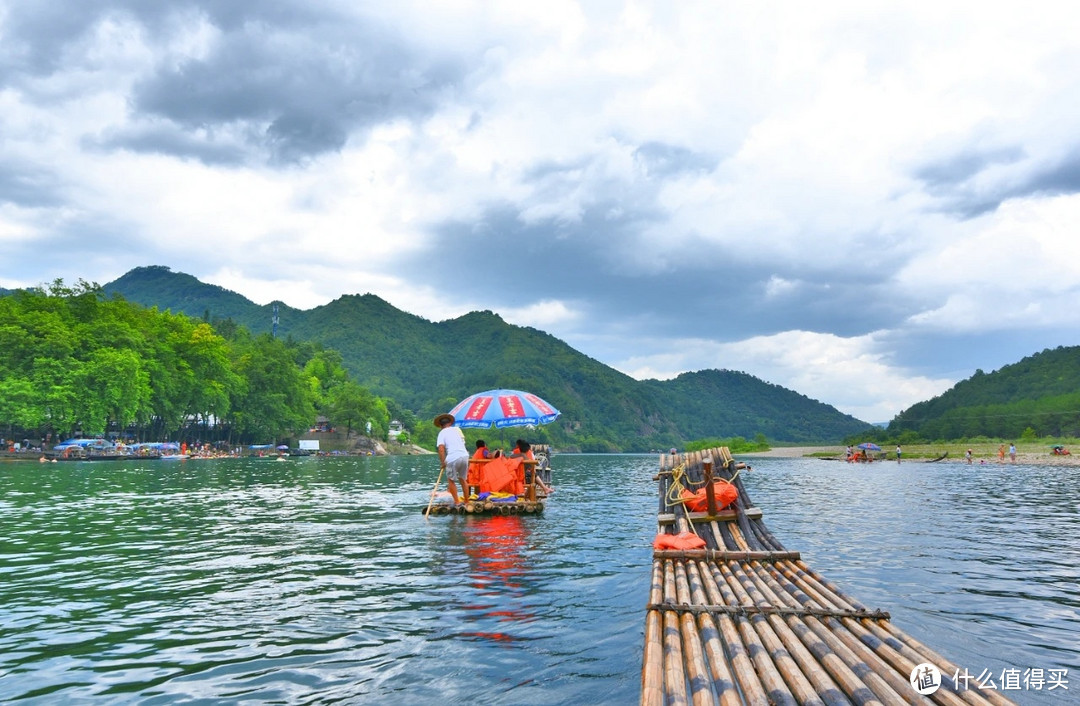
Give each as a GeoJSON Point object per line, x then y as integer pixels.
{"type": "Point", "coordinates": [723, 680]}
{"type": "Point", "coordinates": [933, 657]}
{"type": "Point", "coordinates": [652, 669]}
{"type": "Point", "coordinates": [674, 678]}
{"type": "Point", "coordinates": [771, 678]}
{"type": "Point", "coordinates": [741, 666]}
{"type": "Point", "coordinates": [723, 554]}
{"type": "Point", "coordinates": [774, 593]}
{"type": "Point", "coordinates": [433, 490]}
{"type": "Point", "coordinates": [791, 671]}
{"type": "Point", "coordinates": [701, 692]}
{"type": "Point", "coordinates": [903, 659]}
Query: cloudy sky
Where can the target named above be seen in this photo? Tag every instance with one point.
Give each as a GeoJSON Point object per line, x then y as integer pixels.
{"type": "Point", "coordinates": [862, 202]}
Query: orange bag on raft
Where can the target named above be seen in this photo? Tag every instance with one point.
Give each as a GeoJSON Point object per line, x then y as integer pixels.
{"type": "Point", "coordinates": [725, 493]}
{"type": "Point", "coordinates": [683, 540]}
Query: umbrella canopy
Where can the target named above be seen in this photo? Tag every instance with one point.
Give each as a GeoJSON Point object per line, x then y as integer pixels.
{"type": "Point", "coordinates": [502, 408]}
{"type": "Point", "coordinates": [869, 446]}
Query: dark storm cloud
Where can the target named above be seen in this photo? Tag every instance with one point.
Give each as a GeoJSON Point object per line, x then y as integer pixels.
{"type": "Point", "coordinates": [303, 87]}
{"type": "Point", "coordinates": [285, 80]}
{"type": "Point", "coordinates": [499, 258]}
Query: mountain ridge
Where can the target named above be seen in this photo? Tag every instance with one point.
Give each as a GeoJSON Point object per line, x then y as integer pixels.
{"type": "Point", "coordinates": [428, 366]}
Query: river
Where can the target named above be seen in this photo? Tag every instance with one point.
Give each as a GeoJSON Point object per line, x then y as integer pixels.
{"type": "Point", "coordinates": [317, 580]}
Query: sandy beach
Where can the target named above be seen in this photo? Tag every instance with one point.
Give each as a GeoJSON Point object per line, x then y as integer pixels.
{"type": "Point", "coordinates": [1031, 459]}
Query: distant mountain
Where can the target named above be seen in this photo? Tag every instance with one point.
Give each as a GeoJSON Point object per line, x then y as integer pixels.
{"type": "Point", "coordinates": [1041, 391]}
{"type": "Point", "coordinates": [427, 367]}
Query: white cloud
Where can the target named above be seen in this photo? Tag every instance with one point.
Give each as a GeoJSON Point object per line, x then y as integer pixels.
{"type": "Point", "coordinates": [852, 374]}
{"type": "Point", "coordinates": [805, 142]}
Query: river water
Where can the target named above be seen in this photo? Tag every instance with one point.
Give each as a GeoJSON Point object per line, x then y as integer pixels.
{"type": "Point", "coordinates": [318, 580]}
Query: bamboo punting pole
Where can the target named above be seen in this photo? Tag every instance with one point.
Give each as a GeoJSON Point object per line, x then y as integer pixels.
{"type": "Point", "coordinates": [701, 692]}
{"type": "Point", "coordinates": [674, 679]}
{"type": "Point", "coordinates": [718, 535]}
{"type": "Point", "coordinates": [652, 669]}
{"type": "Point", "coordinates": [433, 491]}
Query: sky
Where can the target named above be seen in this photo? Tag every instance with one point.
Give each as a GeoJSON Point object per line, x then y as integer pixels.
{"type": "Point", "coordinates": [861, 202]}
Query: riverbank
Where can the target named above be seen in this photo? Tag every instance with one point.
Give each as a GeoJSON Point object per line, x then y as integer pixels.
{"type": "Point", "coordinates": [981, 454]}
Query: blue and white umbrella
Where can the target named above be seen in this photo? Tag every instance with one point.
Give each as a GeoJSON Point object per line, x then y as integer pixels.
{"type": "Point", "coordinates": [501, 409]}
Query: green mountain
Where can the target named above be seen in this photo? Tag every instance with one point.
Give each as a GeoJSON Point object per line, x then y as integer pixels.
{"type": "Point", "coordinates": [1041, 391]}
{"type": "Point", "coordinates": [427, 367]}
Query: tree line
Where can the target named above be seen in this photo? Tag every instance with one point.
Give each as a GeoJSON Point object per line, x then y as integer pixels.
{"type": "Point", "coordinates": [1037, 393]}
{"type": "Point", "coordinates": [75, 361]}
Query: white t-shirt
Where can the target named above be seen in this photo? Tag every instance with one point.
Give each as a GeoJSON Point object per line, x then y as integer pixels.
{"type": "Point", "coordinates": [454, 440]}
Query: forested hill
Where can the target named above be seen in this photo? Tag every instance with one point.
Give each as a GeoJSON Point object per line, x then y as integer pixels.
{"type": "Point", "coordinates": [427, 367]}
{"type": "Point", "coordinates": [1041, 392]}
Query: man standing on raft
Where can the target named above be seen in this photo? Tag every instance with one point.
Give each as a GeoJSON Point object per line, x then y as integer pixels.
{"type": "Point", "coordinates": [453, 456]}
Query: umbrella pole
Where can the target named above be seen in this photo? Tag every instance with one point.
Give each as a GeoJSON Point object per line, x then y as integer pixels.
{"type": "Point", "coordinates": [432, 498]}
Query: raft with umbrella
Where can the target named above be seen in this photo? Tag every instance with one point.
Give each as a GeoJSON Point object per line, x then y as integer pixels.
{"type": "Point", "coordinates": [734, 617]}
{"type": "Point", "coordinates": [503, 485]}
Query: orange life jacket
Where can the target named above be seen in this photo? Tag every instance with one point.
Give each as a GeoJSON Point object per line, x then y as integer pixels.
{"type": "Point", "coordinates": [476, 469]}
{"type": "Point", "coordinates": [683, 540]}
{"type": "Point", "coordinates": [502, 475]}
{"type": "Point", "coordinates": [725, 494]}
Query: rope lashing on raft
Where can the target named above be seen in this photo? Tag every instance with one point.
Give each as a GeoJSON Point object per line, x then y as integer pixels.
{"type": "Point", "coordinates": [674, 493]}
{"type": "Point", "coordinates": [748, 610]}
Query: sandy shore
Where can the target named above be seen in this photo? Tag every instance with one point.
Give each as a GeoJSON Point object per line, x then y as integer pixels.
{"type": "Point", "coordinates": [1030, 459]}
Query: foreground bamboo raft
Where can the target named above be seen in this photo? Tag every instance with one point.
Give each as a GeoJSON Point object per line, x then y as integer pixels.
{"type": "Point", "coordinates": [745, 621]}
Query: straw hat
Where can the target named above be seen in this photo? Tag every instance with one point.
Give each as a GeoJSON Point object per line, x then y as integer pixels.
{"type": "Point", "coordinates": [438, 421]}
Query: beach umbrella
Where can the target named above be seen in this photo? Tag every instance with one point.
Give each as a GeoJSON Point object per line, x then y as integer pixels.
{"type": "Point", "coordinates": [501, 409]}
{"type": "Point", "coordinates": [866, 445]}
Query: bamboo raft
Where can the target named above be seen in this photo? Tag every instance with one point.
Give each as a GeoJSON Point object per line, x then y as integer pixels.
{"type": "Point", "coordinates": [489, 508]}
{"type": "Point", "coordinates": [530, 503]}
{"type": "Point", "coordinates": [745, 621]}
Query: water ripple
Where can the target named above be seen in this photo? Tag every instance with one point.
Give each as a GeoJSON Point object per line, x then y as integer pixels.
{"type": "Point", "coordinates": [319, 581]}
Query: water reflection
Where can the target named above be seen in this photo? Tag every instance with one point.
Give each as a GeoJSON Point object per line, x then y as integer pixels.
{"type": "Point", "coordinates": [497, 548]}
